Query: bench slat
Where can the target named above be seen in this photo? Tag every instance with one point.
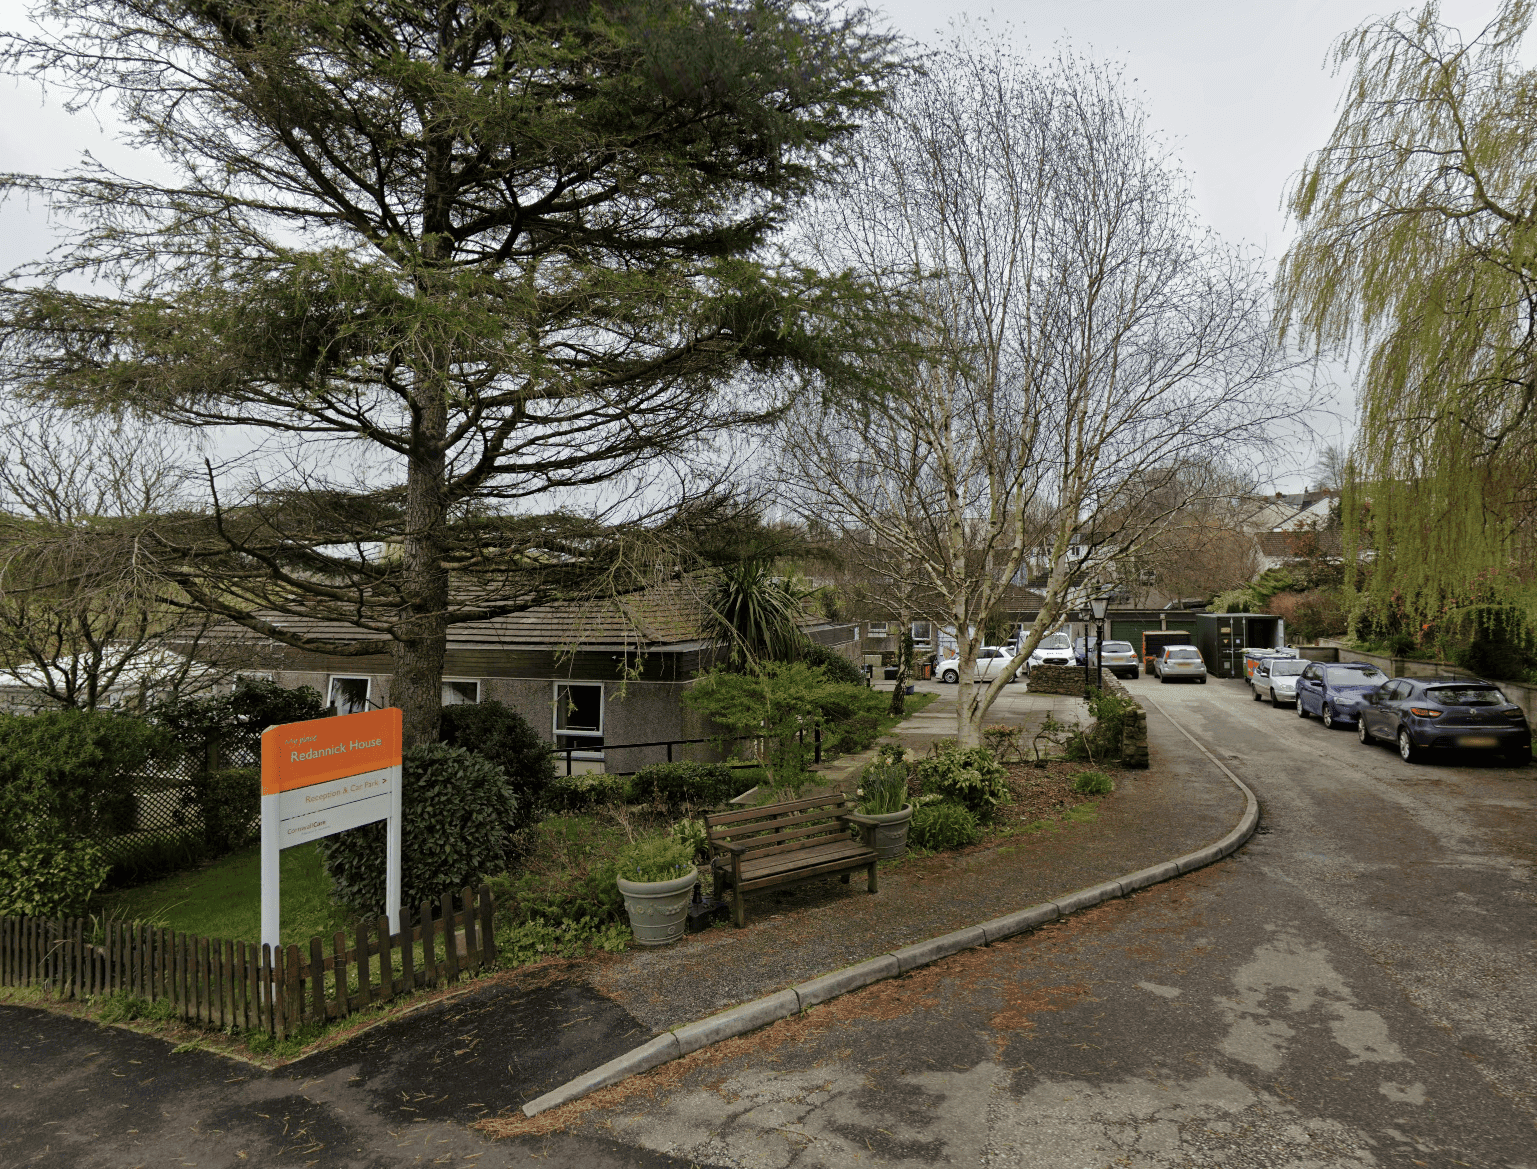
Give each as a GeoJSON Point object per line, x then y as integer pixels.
{"type": "Point", "coordinates": [719, 818]}
{"type": "Point", "coordinates": [771, 838]}
{"type": "Point", "coordinates": [734, 831]}
{"type": "Point", "coordinates": [813, 871]}
{"type": "Point", "coordinates": [786, 863]}
{"type": "Point", "coordinates": [770, 847]}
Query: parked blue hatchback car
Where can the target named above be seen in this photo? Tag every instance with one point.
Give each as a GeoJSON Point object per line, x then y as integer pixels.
{"type": "Point", "coordinates": [1334, 690]}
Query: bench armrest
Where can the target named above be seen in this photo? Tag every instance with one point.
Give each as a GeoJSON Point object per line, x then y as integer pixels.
{"type": "Point", "coordinates": [724, 846]}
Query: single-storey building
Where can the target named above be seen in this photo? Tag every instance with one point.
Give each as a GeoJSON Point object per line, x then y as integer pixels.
{"type": "Point", "coordinates": [603, 680]}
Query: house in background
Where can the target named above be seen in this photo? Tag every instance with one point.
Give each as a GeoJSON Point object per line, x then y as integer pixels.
{"type": "Point", "coordinates": [597, 678]}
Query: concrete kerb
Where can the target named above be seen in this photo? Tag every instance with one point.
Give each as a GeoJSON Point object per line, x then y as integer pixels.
{"type": "Point", "coordinates": [771, 1008]}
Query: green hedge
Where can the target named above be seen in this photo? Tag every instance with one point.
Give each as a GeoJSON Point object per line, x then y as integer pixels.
{"type": "Point", "coordinates": [699, 785]}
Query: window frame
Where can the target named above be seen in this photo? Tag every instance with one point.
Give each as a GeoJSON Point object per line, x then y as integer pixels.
{"type": "Point", "coordinates": [368, 689]}
{"type": "Point", "coordinates": [558, 732]}
{"type": "Point", "coordinates": [877, 628]}
{"type": "Point", "coordinates": [476, 682]}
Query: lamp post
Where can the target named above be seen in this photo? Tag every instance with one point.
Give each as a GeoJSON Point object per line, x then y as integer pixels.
{"type": "Point", "coordinates": [1098, 606]}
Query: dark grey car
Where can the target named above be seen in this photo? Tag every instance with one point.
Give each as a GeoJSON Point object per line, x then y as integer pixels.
{"type": "Point", "coordinates": [1418, 715]}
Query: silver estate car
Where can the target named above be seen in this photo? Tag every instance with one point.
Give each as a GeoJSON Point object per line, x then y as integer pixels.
{"type": "Point", "coordinates": [1276, 679]}
{"type": "Point", "coordinates": [1180, 662]}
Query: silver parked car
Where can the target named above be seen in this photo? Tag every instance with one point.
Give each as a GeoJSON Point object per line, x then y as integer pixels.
{"type": "Point", "coordinates": [1276, 679]}
{"type": "Point", "coordinates": [1181, 663]}
{"type": "Point", "coordinates": [1119, 658]}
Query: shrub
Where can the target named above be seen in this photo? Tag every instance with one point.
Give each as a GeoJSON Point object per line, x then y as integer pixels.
{"type": "Point", "coordinates": [458, 808]}
{"type": "Point", "coordinates": [229, 803]}
{"type": "Point", "coordinates": [942, 825]}
{"type": "Point", "coordinates": [520, 943]}
{"type": "Point", "coordinates": [694, 784]}
{"type": "Point", "coordinates": [225, 728]}
{"type": "Point", "coordinates": [71, 773]}
{"type": "Point", "coordinates": [837, 667]}
{"type": "Point", "coordinates": [50, 877]}
{"type": "Point", "coordinates": [693, 834]}
{"type": "Point", "coordinates": [507, 739]}
{"type": "Point", "coordinates": [969, 776]}
{"type": "Point", "coordinates": [1093, 783]}
{"type": "Point", "coordinates": [578, 793]}
{"type": "Point", "coordinates": [143, 857]}
{"type": "Point", "coordinates": [659, 859]}
{"type": "Point", "coordinates": [567, 874]}
{"type": "Point", "coordinates": [851, 717]}
{"type": "Point", "coordinates": [1111, 714]}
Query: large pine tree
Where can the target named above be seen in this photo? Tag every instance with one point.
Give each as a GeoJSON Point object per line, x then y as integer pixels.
{"type": "Point", "coordinates": [502, 249]}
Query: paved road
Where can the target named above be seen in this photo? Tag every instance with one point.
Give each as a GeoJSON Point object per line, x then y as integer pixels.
{"type": "Point", "coordinates": [1353, 988]}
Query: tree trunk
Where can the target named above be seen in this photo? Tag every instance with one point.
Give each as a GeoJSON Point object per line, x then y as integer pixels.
{"type": "Point", "coordinates": [904, 667]}
{"type": "Point", "coordinates": [423, 634]}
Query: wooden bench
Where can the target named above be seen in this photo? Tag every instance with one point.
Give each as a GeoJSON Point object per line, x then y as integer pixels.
{"type": "Point", "coordinates": [780, 844]}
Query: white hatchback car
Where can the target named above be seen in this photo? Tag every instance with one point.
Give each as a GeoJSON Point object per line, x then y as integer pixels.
{"type": "Point", "coordinates": [1276, 679]}
{"type": "Point", "coordinates": [990, 659]}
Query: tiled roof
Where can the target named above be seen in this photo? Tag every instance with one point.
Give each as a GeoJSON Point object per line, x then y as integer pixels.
{"type": "Point", "coordinates": [670, 614]}
{"type": "Point", "coordinates": [1287, 545]}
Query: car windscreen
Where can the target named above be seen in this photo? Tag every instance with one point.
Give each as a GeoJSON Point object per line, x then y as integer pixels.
{"type": "Point", "coordinates": [1354, 676]}
{"type": "Point", "coordinates": [1183, 651]}
{"type": "Point", "coordinates": [1286, 667]}
{"type": "Point", "coordinates": [1118, 647]}
{"type": "Point", "coordinates": [1056, 641]}
{"type": "Point", "coordinates": [1465, 695]}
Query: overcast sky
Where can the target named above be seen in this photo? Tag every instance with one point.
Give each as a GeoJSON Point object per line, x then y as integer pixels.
{"type": "Point", "coordinates": [1242, 89]}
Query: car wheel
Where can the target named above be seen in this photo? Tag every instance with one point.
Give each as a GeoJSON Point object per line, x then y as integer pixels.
{"type": "Point", "coordinates": [1255, 692]}
{"type": "Point", "coordinates": [1328, 716]}
{"type": "Point", "coordinates": [1274, 701]}
{"type": "Point", "coordinates": [1201, 680]}
{"type": "Point", "coordinates": [1519, 758]}
{"type": "Point", "coordinates": [1163, 680]}
{"type": "Point", "coordinates": [1363, 734]}
{"type": "Point", "coordinates": [1135, 674]}
{"type": "Point", "coordinates": [1302, 711]}
{"type": "Point", "coordinates": [951, 677]}
{"type": "Point", "coordinates": [1407, 751]}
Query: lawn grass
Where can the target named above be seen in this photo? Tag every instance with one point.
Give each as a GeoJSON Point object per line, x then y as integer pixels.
{"type": "Point", "coordinates": [222, 899]}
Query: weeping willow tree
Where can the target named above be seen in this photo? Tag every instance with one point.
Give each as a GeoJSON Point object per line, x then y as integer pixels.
{"type": "Point", "coordinates": [1417, 249]}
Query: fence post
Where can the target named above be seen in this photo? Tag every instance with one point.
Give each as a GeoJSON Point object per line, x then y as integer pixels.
{"type": "Point", "coordinates": [450, 942]}
{"type": "Point", "coordinates": [429, 958]}
{"type": "Point", "coordinates": [365, 990]}
{"type": "Point", "coordinates": [487, 929]}
{"type": "Point", "coordinates": [293, 996]}
{"type": "Point", "coordinates": [471, 946]}
{"type": "Point", "coordinates": [318, 980]}
{"type": "Point", "coordinates": [407, 952]}
{"type": "Point", "coordinates": [386, 967]}
{"type": "Point", "coordinates": [339, 971]}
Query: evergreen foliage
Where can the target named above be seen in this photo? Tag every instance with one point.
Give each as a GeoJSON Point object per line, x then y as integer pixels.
{"type": "Point", "coordinates": [459, 812]}
{"type": "Point", "coordinates": [504, 737]}
{"type": "Point", "coordinates": [497, 248]}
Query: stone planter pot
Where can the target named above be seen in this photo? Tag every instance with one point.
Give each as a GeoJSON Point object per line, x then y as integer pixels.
{"type": "Point", "coordinates": [658, 909]}
{"type": "Point", "coordinates": [890, 833]}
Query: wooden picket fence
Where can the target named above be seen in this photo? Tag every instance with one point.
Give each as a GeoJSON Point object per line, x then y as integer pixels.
{"type": "Point", "coordinates": [227, 984]}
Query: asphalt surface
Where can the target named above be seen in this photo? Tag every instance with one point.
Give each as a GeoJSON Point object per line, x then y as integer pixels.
{"type": "Point", "coordinates": [1353, 988]}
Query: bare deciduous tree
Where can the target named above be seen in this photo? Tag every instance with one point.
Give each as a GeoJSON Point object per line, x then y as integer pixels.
{"type": "Point", "coordinates": [1078, 342]}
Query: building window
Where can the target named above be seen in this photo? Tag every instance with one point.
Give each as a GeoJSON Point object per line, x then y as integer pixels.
{"type": "Point", "coordinates": [349, 695]}
{"type": "Point", "coordinates": [877, 629]}
{"type": "Point", "coordinates": [923, 632]}
{"type": "Point", "coordinates": [578, 716]}
{"type": "Point", "coordinates": [460, 692]}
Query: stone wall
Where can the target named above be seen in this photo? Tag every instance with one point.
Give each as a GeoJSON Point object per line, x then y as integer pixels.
{"type": "Point", "coordinates": [1069, 680]}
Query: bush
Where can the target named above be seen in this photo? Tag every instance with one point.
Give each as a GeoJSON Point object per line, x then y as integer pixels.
{"type": "Point", "coordinates": [942, 825]}
{"type": "Point", "coordinates": [226, 728]}
{"type": "Point", "coordinates": [518, 944]}
{"type": "Point", "coordinates": [70, 773]}
{"type": "Point", "coordinates": [567, 875]}
{"type": "Point", "coordinates": [579, 793]}
{"type": "Point", "coordinates": [693, 834]}
{"type": "Point", "coordinates": [50, 877]}
{"type": "Point", "coordinates": [968, 776]}
{"type": "Point", "coordinates": [1111, 714]}
{"type": "Point", "coordinates": [851, 717]}
{"type": "Point", "coordinates": [507, 739]}
{"type": "Point", "coordinates": [143, 857]}
{"type": "Point", "coordinates": [837, 667]}
{"type": "Point", "coordinates": [1093, 783]}
{"type": "Point", "coordinates": [458, 813]}
{"type": "Point", "coordinates": [229, 804]}
{"type": "Point", "coordinates": [658, 859]}
{"type": "Point", "coordinates": [692, 784]}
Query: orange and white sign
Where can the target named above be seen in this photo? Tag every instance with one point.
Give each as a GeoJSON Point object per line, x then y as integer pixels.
{"type": "Point", "coordinates": [325, 776]}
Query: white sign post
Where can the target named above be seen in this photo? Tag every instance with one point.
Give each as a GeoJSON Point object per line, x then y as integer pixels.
{"type": "Point", "coordinates": [326, 776]}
